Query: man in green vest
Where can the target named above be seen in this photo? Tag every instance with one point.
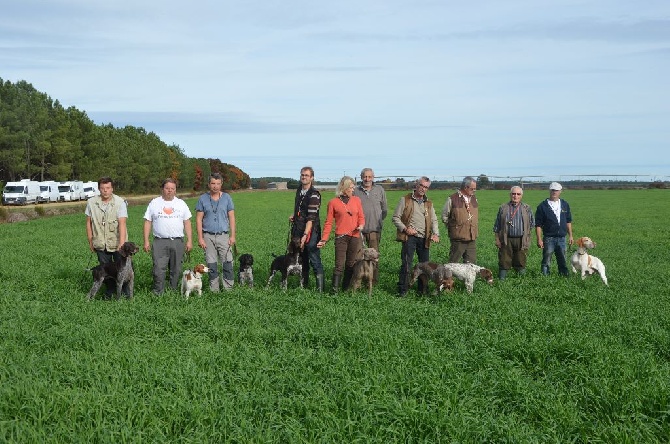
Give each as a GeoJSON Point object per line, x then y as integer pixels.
{"type": "Point", "coordinates": [106, 217]}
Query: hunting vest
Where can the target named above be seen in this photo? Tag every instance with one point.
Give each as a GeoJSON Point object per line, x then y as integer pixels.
{"type": "Point", "coordinates": [463, 222]}
{"type": "Point", "coordinates": [406, 217]}
{"type": "Point", "coordinates": [105, 224]}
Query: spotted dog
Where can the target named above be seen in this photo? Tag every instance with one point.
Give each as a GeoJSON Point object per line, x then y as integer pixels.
{"type": "Point", "coordinates": [121, 272]}
{"type": "Point", "coordinates": [245, 274]}
{"type": "Point", "coordinates": [468, 273]}
{"type": "Point", "coordinates": [287, 264]}
{"type": "Point", "coordinates": [192, 280]}
{"type": "Point", "coordinates": [430, 271]}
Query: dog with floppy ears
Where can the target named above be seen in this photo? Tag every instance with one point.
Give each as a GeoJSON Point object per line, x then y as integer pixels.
{"type": "Point", "coordinates": [584, 263]}
{"type": "Point", "coordinates": [121, 272]}
{"type": "Point", "coordinates": [192, 280]}
{"type": "Point", "coordinates": [437, 273]}
{"type": "Point", "coordinates": [468, 272]}
{"type": "Point", "coordinates": [245, 274]}
{"type": "Point", "coordinates": [364, 269]}
{"type": "Point", "coordinates": [287, 264]}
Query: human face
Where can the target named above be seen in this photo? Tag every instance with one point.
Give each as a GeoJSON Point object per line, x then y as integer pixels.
{"type": "Point", "coordinates": [106, 191]}
{"type": "Point", "coordinates": [554, 194]}
{"type": "Point", "coordinates": [515, 195]}
{"type": "Point", "coordinates": [169, 191]}
{"type": "Point", "coordinates": [214, 186]}
{"type": "Point", "coordinates": [421, 188]}
{"type": "Point", "coordinates": [367, 178]}
{"type": "Point", "coordinates": [470, 189]}
{"type": "Point", "coordinates": [306, 178]}
{"type": "Point", "coordinates": [349, 191]}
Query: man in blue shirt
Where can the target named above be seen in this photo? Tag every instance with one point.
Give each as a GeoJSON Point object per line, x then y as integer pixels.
{"type": "Point", "coordinates": [215, 226]}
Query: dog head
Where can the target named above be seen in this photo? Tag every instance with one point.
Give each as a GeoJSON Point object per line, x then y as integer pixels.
{"type": "Point", "coordinates": [128, 249]}
{"type": "Point", "coordinates": [200, 269]}
{"type": "Point", "coordinates": [446, 284]}
{"type": "Point", "coordinates": [370, 254]}
{"type": "Point", "coordinates": [246, 260]}
{"type": "Point", "coordinates": [293, 246]}
{"type": "Point", "coordinates": [487, 275]}
{"type": "Point", "coordinates": [585, 242]}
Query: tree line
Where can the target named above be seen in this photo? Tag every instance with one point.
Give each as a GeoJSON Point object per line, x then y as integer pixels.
{"type": "Point", "coordinates": [42, 140]}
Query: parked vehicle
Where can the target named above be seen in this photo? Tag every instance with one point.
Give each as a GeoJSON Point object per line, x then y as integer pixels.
{"type": "Point", "coordinates": [71, 190]}
{"type": "Point", "coordinates": [48, 192]}
{"type": "Point", "coordinates": [23, 192]}
{"type": "Point", "coordinates": [91, 189]}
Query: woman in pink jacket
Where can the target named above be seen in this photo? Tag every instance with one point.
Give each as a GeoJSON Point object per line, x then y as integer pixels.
{"type": "Point", "coordinates": [347, 212]}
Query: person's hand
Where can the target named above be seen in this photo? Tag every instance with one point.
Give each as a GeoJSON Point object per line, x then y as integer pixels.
{"type": "Point", "coordinates": [497, 243]}
{"type": "Point", "coordinates": [147, 246]}
{"type": "Point", "coordinates": [435, 238]}
{"type": "Point", "coordinates": [321, 243]}
{"type": "Point", "coordinates": [540, 244]}
{"type": "Point", "coordinates": [202, 243]}
{"type": "Point", "coordinates": [360, 228]}
{"type": "Point", "coordinates": [290, 218]}
{"type": "Point", "coordinates": [189, 245]}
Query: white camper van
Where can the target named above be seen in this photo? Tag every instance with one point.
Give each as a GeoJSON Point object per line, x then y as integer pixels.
{"type": "Point", "coordinates": [23, 192]}
{"type": "Point", "coordinates": [48, 191]}
{"type": "Point", "coordinates": [91, 189]}
{"type": "Point", "coordinates": [71, 190]}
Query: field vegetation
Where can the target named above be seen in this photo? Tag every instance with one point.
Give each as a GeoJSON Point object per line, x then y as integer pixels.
{"type": "Point", "coordinates": [530, 359]}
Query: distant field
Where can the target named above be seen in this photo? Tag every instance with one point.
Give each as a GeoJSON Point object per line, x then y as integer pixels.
{"type": "Point", "coordinates": [530, 359]}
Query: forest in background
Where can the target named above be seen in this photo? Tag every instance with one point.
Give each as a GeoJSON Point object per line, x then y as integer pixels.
{"type": "Point", "coordinates": [42, 140]}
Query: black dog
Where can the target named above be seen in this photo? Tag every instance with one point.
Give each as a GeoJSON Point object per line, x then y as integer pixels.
{"type": "Point", "coordinates": [287, 264]}
{"type": "Point", "coordinates": [245, 275]}
{"type": "Point", "coordinates": [121, 272]}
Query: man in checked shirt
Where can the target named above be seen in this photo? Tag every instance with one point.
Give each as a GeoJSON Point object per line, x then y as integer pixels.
{"type": "Point", "coordinates": [512, 229]}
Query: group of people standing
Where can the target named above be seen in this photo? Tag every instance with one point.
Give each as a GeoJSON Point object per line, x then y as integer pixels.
{"type": "Point", "coordinates": [357, 213]}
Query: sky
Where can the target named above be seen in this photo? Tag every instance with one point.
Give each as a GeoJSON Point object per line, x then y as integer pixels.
{"type": "Point", "coordinates": [442, 88]}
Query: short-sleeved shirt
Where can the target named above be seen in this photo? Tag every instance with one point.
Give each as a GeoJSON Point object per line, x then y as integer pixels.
{"type": "Point", "coordinates": [215, 217]}
{"type": "Point", "coordinates": [167, 216]}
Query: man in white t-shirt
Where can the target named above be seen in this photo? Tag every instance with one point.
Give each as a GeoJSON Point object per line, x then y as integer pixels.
{"type": "Point", "coordinates": [171, 220]}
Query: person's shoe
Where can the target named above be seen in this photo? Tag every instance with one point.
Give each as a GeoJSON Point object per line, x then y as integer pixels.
{"type": "Point", "coordinates": [502, 274]}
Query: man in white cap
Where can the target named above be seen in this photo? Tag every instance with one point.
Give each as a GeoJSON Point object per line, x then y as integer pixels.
{"type": "Point", "coordinates": [553, 221]}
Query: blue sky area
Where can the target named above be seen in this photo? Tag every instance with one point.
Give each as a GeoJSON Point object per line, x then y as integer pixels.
{"type": "Point", "coordinates": [408, 87]}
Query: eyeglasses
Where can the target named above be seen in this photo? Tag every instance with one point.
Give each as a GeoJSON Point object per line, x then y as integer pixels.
{"type": "Point", "coordinates": [425, 187]}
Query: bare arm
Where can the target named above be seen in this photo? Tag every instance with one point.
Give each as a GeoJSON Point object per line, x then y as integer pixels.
{"type": "Point", "coordinates": [123, 231]}
{"type": "Point", "coordinates": [188, 229]}
{"type": "Point", "coordinates": [89, 232]}
{"type": "Point", "coordinates": [233, 227]}
{"type": "Point", "coordinates": [147, 231]}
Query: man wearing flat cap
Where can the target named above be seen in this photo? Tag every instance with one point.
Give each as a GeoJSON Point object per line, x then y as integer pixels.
{"type": "Point", "coordinates": [553, 221]}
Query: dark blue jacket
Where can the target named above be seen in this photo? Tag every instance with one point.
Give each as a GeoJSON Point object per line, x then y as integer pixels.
{"type": "Point", "coordinates": [546, 219]}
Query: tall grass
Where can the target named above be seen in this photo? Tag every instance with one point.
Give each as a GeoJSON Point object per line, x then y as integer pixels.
{"type": "Point", "coordinates": [530, 359]}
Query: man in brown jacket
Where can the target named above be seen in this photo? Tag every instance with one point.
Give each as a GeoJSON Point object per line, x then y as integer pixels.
{"type": "Point", "coordinates": [461, 215]}
{"type": "Point", "coordinates": [417, 227]}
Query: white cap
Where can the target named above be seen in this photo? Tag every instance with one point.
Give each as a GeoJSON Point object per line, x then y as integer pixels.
{"type": "Point", "coordinates": [555, 186]}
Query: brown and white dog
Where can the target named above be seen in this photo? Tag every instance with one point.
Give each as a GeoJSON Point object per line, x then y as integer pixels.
{"type": "Point", "coordinates": [192, 280]}
{"type": "Point", "coordinates": [364, 268]}
{"type": "Point", "coordinates": [437, 273]}
{"type": "Point", "coordinates": [584, 263]}
{"type": "Point", "coordinates": [468, 273]}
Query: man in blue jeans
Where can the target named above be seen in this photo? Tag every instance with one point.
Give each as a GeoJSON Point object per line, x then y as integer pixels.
{"type": "Point", "coordinates": [553, 221]}
{"type": "Point", "coordinates": [306, 225]}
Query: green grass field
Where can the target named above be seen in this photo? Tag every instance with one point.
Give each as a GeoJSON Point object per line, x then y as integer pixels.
{"type": "Point", "coordinates": [531, 359]}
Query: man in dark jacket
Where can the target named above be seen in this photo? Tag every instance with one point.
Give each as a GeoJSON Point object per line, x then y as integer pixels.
{"type": "Point", "coordinates": [553, 221]}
